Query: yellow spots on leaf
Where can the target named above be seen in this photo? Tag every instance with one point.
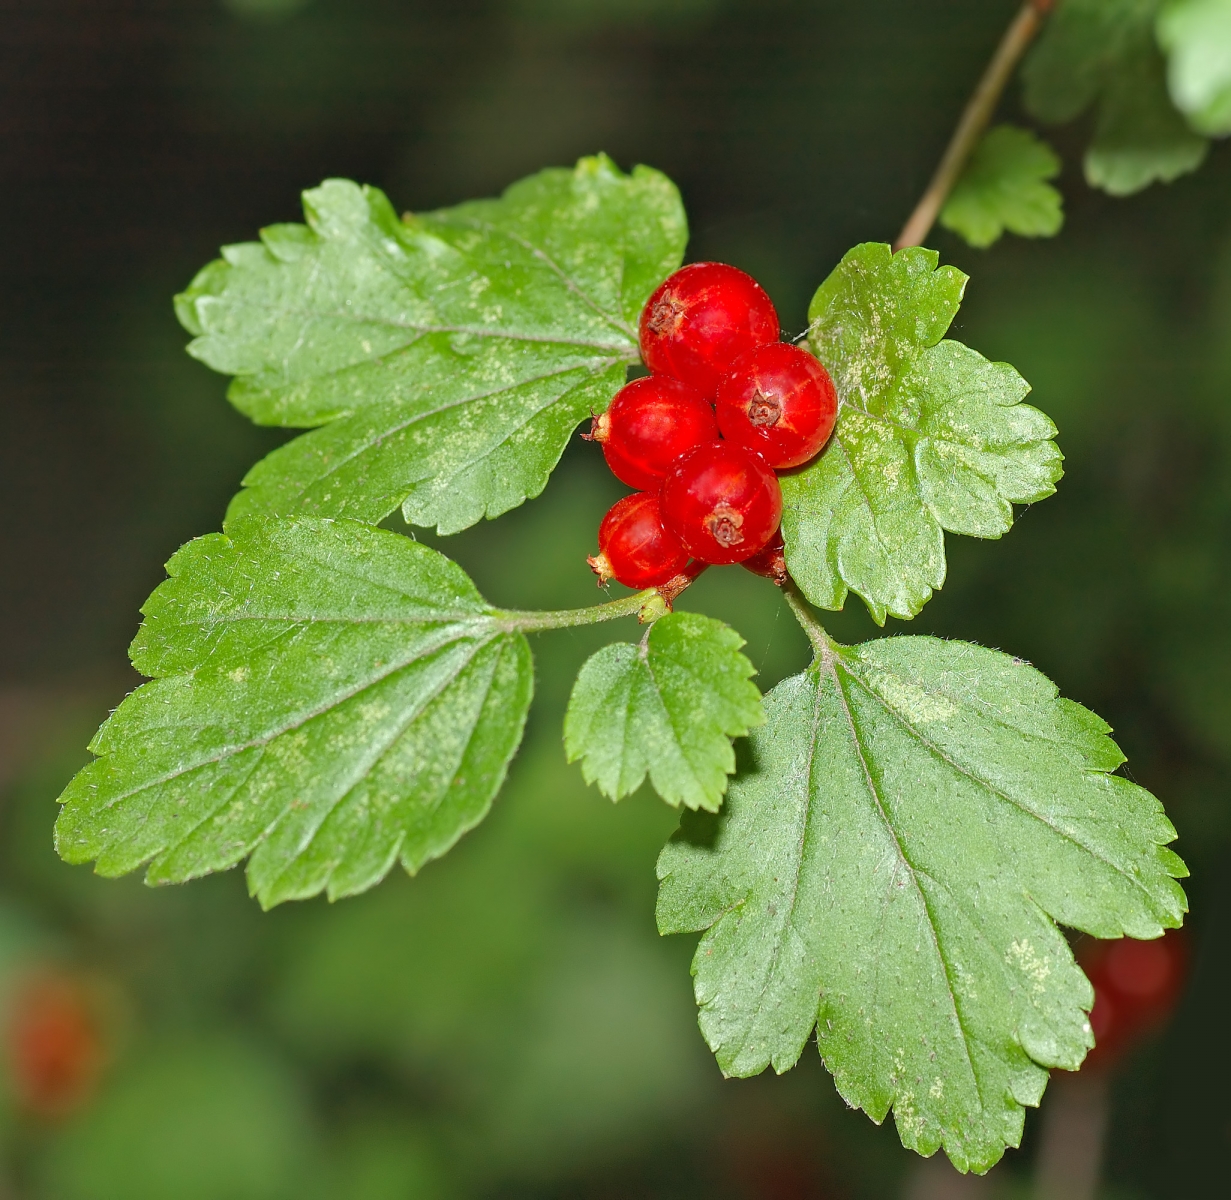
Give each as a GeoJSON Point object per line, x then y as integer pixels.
{"type": "Point", "coordinates": [1034, 966]}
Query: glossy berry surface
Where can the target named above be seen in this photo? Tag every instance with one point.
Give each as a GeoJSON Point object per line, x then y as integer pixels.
{"type": "Point", "coordinates": [633, 546]}
{"type": "Point", "coordinates": [701, 319]}
{"type": "Point", "coordinates": [769, 562]}
{"type": "Point", "coordinates": [650, 424]}
{"type": "Point", "coordinates": [722, 502]}
{"type": "Point", "coordinates": [779, 401]}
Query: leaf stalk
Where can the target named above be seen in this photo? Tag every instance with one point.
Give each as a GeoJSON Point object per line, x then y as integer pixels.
{"type": "Point", "coordinates": [647, 606]}
{"type": "Point", "coordinates": [974, 120]}
{"type": "Point", "coordinates": [823, 645]}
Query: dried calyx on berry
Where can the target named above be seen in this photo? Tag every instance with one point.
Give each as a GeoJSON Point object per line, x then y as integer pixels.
{"type": "Point", "coordinates": [722, 503]}
{"type": "Point", "coordinates": [701, 319]}
{"type": "Point", "coordinates": [650, 424]}
{"type": "Point", "coordinates": [779, 401]}
{"type": "Point", "coordinates": [633, 546]}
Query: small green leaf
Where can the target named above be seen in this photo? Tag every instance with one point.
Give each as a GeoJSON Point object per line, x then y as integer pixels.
{"type": "Point", "coordinates": [447, 357]}
{"type": "Point", "coordinates": [888, 872]}
{"type": "Point", "coordinates": [669, 706]}
{"type": "Point", "coordinates": [1196, 35]}
{"type": "Point", "coordinates": [1103, 53]}
{"type": "Point", "coordinates": [930, 436]}
{"type": "Point", "coordinates": [1004, 187]}
{"type": "Point", "coordinates": [328, 699]}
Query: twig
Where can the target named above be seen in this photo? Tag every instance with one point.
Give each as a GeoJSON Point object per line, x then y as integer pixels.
{"type": "Point", "coordinates": [974, 120]}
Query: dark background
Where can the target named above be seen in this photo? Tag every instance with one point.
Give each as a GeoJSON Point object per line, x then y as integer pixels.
{"type": "Point", "coordinates": [508, 1024]}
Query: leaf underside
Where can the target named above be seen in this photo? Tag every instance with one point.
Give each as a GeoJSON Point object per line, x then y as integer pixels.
{"type": "Point", "coordinates": [1103, 53]}
{"type": "Point", "coordinates": [888, 872]}
{"type": "Point", "coordinates": [328, 699]}
{"type": "Point", "coordinates": [930, 436]}
{"type": "Point", "coordinates": [668, 708]}
{"type": "Point", "coordinates": [1004, 187]}
{"type": "Point", "coordinates": [446, 358]}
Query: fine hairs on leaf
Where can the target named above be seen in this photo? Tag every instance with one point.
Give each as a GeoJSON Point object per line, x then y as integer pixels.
{"type": "Point", "coordinates": [328, 699]}
{"type": "Point", "coordinates": [888, 872]}
{"type": "Point", "coordinates": [667, 708]}
{"type": "Point", "coordinates": [446, 357]}
{"type": "Point", "coordinates": [930, 436]}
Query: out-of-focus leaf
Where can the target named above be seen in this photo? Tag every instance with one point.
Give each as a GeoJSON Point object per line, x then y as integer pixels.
{"type": "Point", "coordinates": [201, 1120]}
{"type": "Point", "coordinates": [1103, 53]}
{"type": "Point", "coordinates": [328, 699]}
{"type": "Point", "coordinates": [930, 436]}
{"type": "Point", "coordinates": [888, 872]}
{"type": "Point", "coordinates": [1196, 34]}
{"type": "Point", "coordinates": [447, 357]}
{"type": "Point", "coordinates": [669, 707]}
{"type": "Point", "coordinates": [1004, 186]}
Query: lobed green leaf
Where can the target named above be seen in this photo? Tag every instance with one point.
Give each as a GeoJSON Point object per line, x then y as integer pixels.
{"type": "Point", "coordinates": [446, 357]}
{"type": "Point", "coordinates": [888, 872]}
{"type": "Point", "coordinates": [1004, 186]}
{"type": "Point", "coordinates": [668, 707]}
{"type": "Point", "coordinates": [930, 436]}
{"type": "Point", "coordinates": [1196, 35]}
{"type": "Point", "coordinates": [328, 699]}
{"type": "Point", "coordinates": [1103, 53]}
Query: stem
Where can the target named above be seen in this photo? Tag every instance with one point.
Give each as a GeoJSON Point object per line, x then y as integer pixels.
{"type": "Point", "coordinates": [974, 120]}
{"type": "Point", "coordinates": [568, 618]}
{"type": "Point", "coordinates": [823, 645]}
{"type": "Point", "coordinates": [647, 606]}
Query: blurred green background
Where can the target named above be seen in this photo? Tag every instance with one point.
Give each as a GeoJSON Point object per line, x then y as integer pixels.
{"type": "Point", "coordinates": [508, 1024]}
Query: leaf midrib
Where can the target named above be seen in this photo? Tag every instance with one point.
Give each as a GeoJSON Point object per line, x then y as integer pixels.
{"type": "Point", "coordinates": [829, 664]}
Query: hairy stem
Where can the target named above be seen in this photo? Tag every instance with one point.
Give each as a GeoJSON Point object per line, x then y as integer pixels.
{"type": "Point", "coordinates": [822, 644]}
{"type": "Point", "coordinates": [647, 606]}
{"type": "Point", "coordinates": [974, 120]}
{"type": "Point", "coordinates": [568, 618]}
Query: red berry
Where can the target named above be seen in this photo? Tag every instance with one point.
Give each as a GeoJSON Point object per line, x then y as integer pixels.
{"type": "Point", "coordinates": [769, 562]}
{"type": "Point", "coordinates": [633, 546]}
{"type": "Point", "coordinates": [722, 502]}
{"type": "Point", "coordinates": [1136, 985]}
{"type": "Point", "coordinates": [54, 1047]}
{"type": "Point", "coordinates": [779, 401]}
{"type": "Point", "coordinates": [651, 423]}
{"type": "Point", "coordinates": [701, 319]}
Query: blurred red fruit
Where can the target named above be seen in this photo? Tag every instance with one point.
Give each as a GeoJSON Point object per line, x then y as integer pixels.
{"type": "Point", "coordinates": [1136, 987]}
{"type": "Point", "coordinates": [54, 1047]}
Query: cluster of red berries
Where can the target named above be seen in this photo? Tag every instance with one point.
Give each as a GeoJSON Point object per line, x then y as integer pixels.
{"type": "Point", "coordinates": [726, 406]}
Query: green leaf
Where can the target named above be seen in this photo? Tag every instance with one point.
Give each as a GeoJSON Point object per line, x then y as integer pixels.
{"type": "Point", "coordinates": [447, 357]}
{"type": "Point", "coordinates": [917, 815]}
{"type": "Point", "coordinates": [1004, 187]}
{"type": "Point", "coordinates": [328, 699]}
{"type": "Point", "coordinates": [1196, 35]}
{"type": "Point", "coordinates": [668, 707]}
{"type": "Point", "coordinates": [930, 436]}
{"type": "Point", "coordinates": [1103, 53]}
